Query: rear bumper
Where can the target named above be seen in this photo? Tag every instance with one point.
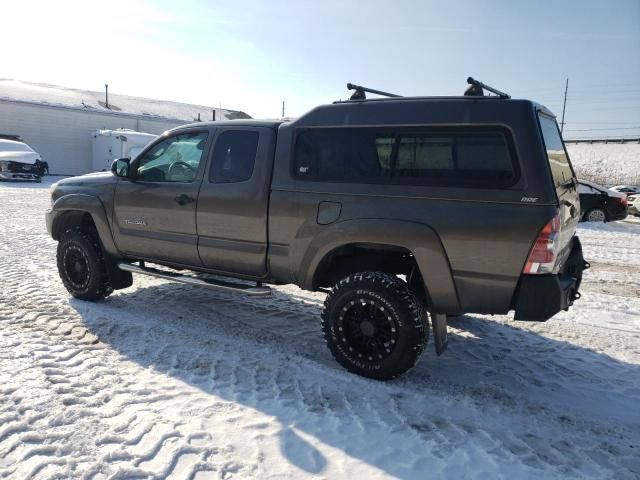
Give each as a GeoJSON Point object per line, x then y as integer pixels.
{"type": "Point", "coordinates": [617, 214]}
{"type": "Point", "coordinates": [540, 297]}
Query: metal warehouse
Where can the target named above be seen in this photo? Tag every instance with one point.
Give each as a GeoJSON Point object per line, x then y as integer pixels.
{"type": "Point", "coordinates": [58, 122]}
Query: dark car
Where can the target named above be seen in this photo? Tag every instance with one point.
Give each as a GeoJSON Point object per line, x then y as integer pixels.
{"type": "Point", "coordinates": [599, 204]}
{"type": "Point", "coordinates": [403, 210]}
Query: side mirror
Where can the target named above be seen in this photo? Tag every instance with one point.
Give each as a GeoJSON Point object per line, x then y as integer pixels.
{"type": "Point", "coordinates": [120, 167]}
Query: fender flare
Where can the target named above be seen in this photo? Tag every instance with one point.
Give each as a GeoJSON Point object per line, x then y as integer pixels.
{"type": "Point", "coordinates": [420, 239]}
{"type": "Point", "coordinates": [84, 203]}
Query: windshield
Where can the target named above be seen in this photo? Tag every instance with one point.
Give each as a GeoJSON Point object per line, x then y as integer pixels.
{"type": "Point", "coordinates": [556, 154]}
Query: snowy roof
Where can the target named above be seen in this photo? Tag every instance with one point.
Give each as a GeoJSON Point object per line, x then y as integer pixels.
{"type": "Point", "coordinates": [45, 94]}
{"type": "Point", "coordinates": [130, 134]}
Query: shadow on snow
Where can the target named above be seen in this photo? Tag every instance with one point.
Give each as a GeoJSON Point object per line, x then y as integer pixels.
{"type": "Point", "coordinates": [495, 380]}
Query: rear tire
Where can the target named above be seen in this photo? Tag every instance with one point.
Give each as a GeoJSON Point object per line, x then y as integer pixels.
{"type": "Point", "coordinates": [81, 265]}
{"type": "Point", "coordinates": [374, 325]}
{"type": "Point", "coordinates": [595, 215]}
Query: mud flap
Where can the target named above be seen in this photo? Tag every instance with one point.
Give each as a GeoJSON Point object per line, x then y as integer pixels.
{"type": "Point", "coordinates": [439, 324]}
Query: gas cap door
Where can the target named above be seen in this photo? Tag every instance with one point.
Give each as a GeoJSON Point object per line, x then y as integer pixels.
{"type": "Point", "coordinates": [328, 212]}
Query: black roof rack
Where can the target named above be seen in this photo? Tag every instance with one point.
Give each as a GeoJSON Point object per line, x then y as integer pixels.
{"type": "Point", "coordinates": [476, 89]}
{"type": "Point", "coordinates": [359, 93]}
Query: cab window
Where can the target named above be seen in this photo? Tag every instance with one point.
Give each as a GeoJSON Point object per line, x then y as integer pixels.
{"type": "Point", "coordinates": [234, 156]}
{"type": "Point", "coordinates": [174, 159]}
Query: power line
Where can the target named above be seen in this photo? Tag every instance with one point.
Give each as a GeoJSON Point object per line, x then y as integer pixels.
{"type": "Point", "coordinates": [601, 129]}
{"type": "Point", "coordinates": [604, 123]}
{"type": "Point", "coordinates": [600, 137]}
{"type": "Point", "coordinates": [596, 100]}
{"type": "Point", "coordinates": [605, 89]}
{"type": "Point", "coordinates": [589, 108]}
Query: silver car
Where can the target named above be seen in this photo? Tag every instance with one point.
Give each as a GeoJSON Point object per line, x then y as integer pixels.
{"type": "Point", "coordinates": [634, 204]}
{"type": "Point", "coordinates": [18, 161]}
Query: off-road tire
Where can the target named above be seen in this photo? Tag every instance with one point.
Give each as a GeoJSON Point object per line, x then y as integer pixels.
{"type": "Point", "coordinates": [397, 310]}
{"type": "Point", "coordinates": [85, 278]}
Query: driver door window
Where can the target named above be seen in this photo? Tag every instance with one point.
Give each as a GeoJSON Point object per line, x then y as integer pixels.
{"type": "Point", "coordinates": [174, 159]}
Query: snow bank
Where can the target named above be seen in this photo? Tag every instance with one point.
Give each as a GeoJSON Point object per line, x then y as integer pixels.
{"type": "Point", "coordinates": [606, 163]}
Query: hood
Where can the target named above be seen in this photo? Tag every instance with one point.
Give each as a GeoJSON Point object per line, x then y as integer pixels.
{"type": "Point", "coordinates": [20, 157]}
{"type": "Point", "coordinates": [97, 178]}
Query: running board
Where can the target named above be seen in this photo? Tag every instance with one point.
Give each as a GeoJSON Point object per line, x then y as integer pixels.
{"type": "Point", "coordinates": [250, 290]}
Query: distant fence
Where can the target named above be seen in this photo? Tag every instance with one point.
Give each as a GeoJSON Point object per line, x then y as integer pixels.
{"type": "Point", "coordinates": [604, 140]}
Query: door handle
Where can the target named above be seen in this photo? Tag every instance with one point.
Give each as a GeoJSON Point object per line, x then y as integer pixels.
{"type": "Point", "coordinates": [184, 199]}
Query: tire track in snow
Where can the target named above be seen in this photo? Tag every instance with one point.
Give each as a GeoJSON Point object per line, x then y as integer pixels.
{"type": "Point", "coordinates": [110, 370]}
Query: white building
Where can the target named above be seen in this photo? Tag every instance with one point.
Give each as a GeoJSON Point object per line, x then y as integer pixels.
{"type": "Point", "coordinates": [58, 122]}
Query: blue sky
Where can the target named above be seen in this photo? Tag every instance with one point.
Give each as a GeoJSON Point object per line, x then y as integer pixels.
{"type": "Point", "coordinates": [252, 55]}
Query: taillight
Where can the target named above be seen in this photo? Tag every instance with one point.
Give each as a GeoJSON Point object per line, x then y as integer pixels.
{"type": "Point", "coordinates": [621, 201]}
{"type": "Point", "coordinates": [542, 257]}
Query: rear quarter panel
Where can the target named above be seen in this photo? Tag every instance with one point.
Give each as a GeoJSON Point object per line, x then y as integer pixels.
{"type": "Point", "coordinates": [476, 241]}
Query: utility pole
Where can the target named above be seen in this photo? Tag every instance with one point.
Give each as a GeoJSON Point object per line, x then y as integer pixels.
{"type": "Point", "coordinates": [283, 109]}
{"type": "Point", "coordinates": [564, 105]}
{"type": "Point", "coordinates": [106, 95]}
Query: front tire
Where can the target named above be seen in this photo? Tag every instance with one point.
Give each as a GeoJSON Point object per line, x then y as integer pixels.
{"type": "Point", "coordinates": [374, 325]}
{"type": "Point", "coordinates": [81, 265]}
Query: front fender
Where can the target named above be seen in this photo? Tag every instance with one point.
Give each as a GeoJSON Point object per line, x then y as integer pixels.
{"type": "Point", "coordinates": [76, 202]}
{"type": "Point", "coordinates": [421, 240]}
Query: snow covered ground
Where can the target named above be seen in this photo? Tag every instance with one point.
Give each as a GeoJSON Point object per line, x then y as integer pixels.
{"type": "Point", "coordinates": [164, 380]}
{"type": "Point", "coordinates": [606, 163]}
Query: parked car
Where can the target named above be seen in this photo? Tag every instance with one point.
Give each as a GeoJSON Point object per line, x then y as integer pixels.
{"type": "Point", "coordinates": [18, 161]}
{"type": "Point", "coordinates": [394, 207]}
{"type": "Point", "coordinates": [634, 204]}
{"type": "Point", "coordinates": [626, 189]}
{"type": "Point", "coordinates": [600, 204]}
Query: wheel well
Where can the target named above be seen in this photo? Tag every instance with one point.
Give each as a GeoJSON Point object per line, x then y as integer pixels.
{"type": "Point", "coordinates": [361, 257]}
{"type": "Point", "coordinates": [69, 219]}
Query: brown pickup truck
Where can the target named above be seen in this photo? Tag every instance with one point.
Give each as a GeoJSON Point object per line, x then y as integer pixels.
{"type": "Point", "coordinates": [403, 210]}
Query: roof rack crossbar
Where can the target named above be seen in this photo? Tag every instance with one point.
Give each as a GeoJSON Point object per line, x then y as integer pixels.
{"type": "Point", "coordinates": [479, 85]}
{"type": "Point", "coordinates": [359, 93]}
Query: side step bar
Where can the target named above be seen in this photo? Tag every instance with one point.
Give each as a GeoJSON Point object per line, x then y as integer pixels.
{"type": "Point", "coordinates": [250, 290]}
